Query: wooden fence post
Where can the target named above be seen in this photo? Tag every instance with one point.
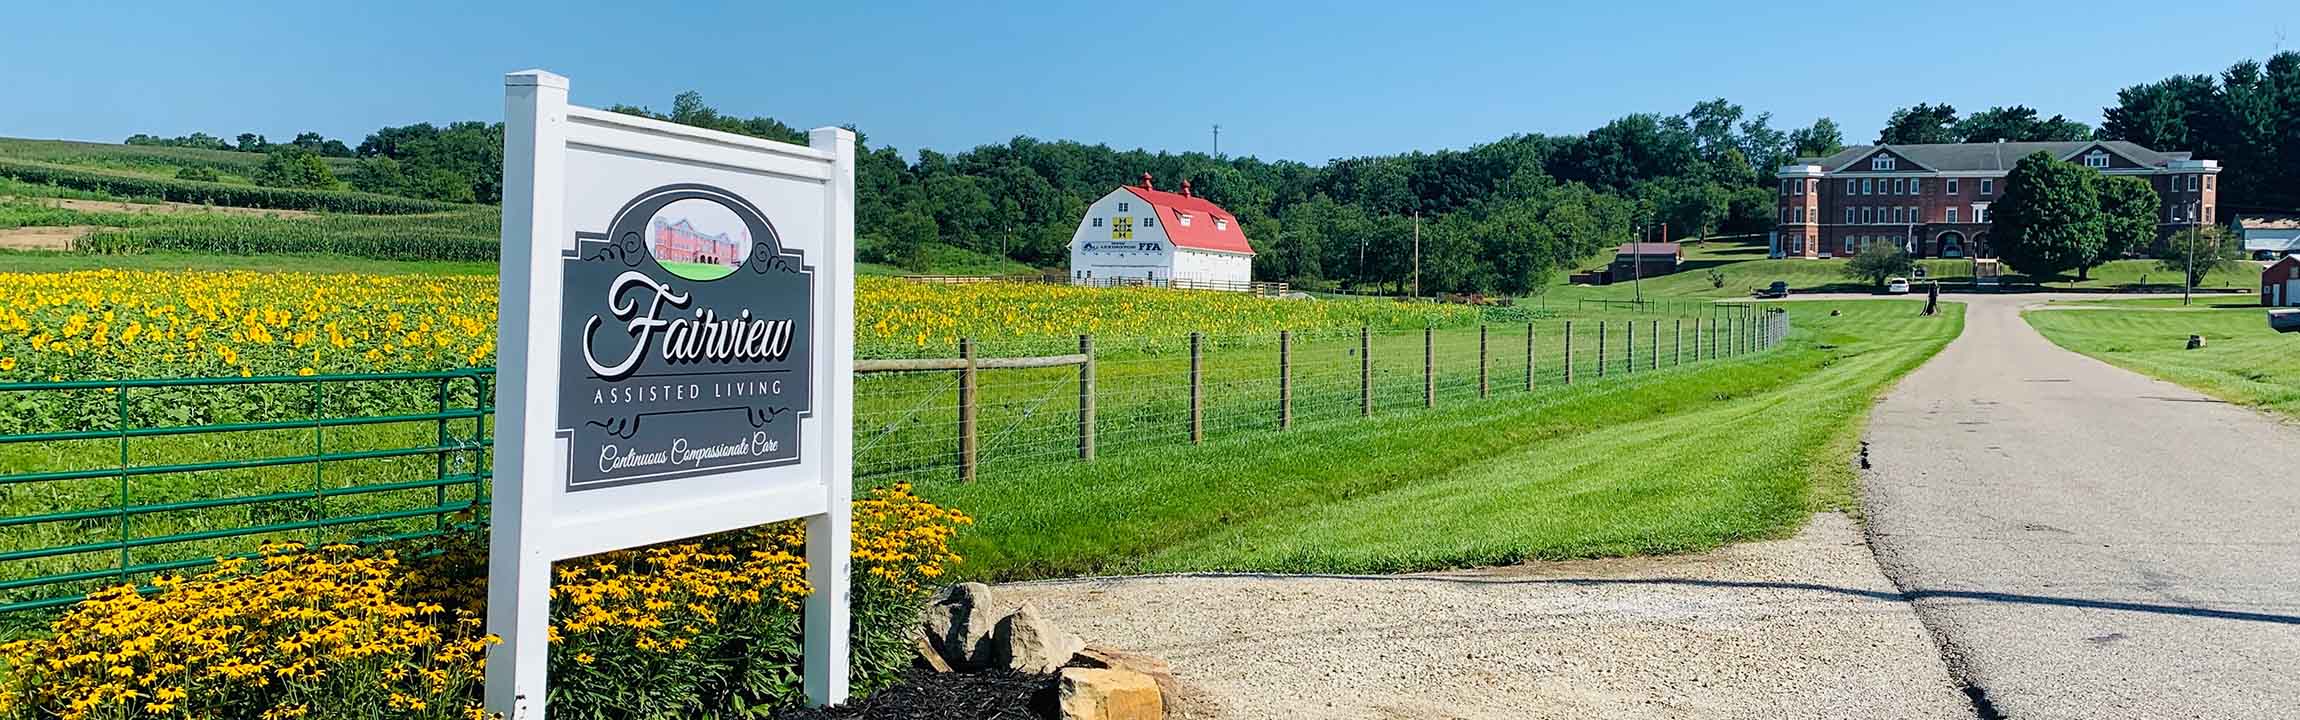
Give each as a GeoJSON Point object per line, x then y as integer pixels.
{"type": "Point", "coordinates": [1677, 343]}
{"type": "Point", "coordinates": [1365, 372]}
{"type": "Point", "coordinates": [1529, 357]}
{"type": "Point", "coordinates": [1601, 348]}
{"type": "Point", "coordinates": [1197, 394]}
{"type": "Point", "coordinates": [1569, 352]}
{"type": "Point", "coordinates": [1086, 398]}
{"type": "Point", "coordinates": [1429, 367]}
{"type": "Point", "coordinates": [1483, 389]}
{"type": "Point", "coordinates": [1628, 346]}
{"type": "Point", "coordinates": [1653, 354]}
{"type": "Point", "coordinates": [1285, 379]}
{"type": "Point", "coordinates": [966, 390]}
{"type": "Point", "coordinates": [1712, 335]}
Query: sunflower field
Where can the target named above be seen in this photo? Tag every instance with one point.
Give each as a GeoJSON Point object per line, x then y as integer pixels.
{"type": "Point", "coordinates": [105, 324]}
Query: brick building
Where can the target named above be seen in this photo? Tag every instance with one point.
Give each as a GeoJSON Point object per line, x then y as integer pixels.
{"type": "Point", "coordinates": [681, 242]}
{"type": "Point", "coordinates": [1934, 199]}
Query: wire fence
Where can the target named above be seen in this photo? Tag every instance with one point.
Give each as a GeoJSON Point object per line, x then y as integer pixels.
{"type": "Point", "coordinates": [116, 481]}
{"type": "Point", "coordinates": [1007, 404]}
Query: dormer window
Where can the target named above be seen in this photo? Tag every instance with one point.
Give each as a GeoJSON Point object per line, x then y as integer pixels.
{"type": "Point", "coordinates": [1881, 162]}
{"type": "Point", "coordinates": [1221, 224]}
{"type": "Point", "coordinates": [1185, 219]}
{"type": "Point", "coordinates": [2097, 159]}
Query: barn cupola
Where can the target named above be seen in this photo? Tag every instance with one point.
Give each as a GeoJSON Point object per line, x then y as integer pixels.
{"type": "Point", "coordinates": [1186, 189]}
{"type": "Point", "coordinates": [1146, 182]}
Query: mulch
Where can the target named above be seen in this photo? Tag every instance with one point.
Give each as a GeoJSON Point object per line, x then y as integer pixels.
{"type": "Point", "coordinates": [928, 695]}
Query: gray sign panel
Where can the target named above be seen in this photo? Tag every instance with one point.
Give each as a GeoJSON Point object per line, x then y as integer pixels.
{"type": "Point", "coordinates": [686, 345]}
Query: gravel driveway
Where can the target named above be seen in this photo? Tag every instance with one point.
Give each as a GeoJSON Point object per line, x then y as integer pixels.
{"type": "Point", "coordinates": [1806, 627]}
{"type": "Point", "coordinates": [2088, 542]}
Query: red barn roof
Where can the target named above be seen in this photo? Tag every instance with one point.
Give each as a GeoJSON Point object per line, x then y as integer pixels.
{"type": "Point", "coordinates": [1203, 232]}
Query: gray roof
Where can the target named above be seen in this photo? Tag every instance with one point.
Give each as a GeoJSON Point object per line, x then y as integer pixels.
{"type": "Point", "coordinates": [1992, 157]}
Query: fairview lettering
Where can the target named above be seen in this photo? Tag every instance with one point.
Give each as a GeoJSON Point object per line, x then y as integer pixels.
{"type": "Point", "coordinates": [704, 337]}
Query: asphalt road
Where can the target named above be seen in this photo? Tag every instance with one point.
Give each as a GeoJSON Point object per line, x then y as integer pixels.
{"type": "Point", "coordinates": [2086, 542]}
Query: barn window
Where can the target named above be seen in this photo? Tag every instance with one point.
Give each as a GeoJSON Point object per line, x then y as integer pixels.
{"type": "Point", "coordinates": [1149, 221]}
{"type": "Point", "coordinates": [1121, 207]}
{"type": "Point", "coordinates": [1221, 224]}
{"type": "Point", "coordinates": [1185, 219]}
{"type": "Point", "coordinates": [1098, 222]}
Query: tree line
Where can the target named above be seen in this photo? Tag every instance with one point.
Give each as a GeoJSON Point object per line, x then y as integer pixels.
{"type": "Point", "coordinates": [1502, 216]}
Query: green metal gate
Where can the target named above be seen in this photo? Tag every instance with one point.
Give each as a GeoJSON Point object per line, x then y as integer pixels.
{"type": "Point", "coordinates": [106, 482]}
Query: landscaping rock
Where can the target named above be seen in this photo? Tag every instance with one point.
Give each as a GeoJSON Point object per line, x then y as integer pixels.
{"type": "Point", "coordinates": [1106, 694]}
{"type": "Point", "coordinates": [2195, 341]}
{"type": "Point", "coordinates": [1097, 656]}
{"type": "Point", "coordinates": [959, 625]}
{"type": "Point", "coordinates": [1029, 642]}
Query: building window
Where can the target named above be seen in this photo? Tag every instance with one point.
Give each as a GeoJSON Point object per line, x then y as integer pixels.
{"type": "Point", "coordinates": [1916, 214]}
{"type": "Point", "coordinates": [1848, 216]}
{"type": "Point", "coordinates": [1868, 187]}
{"type": "Point", "coordinates": [1185, 219]}
{"type": "Point", "coordinates": [1848, 245]}
{"type": "Point", "coordinates": [1917, 186]}
{"type": "Point", "coordinates": [1121, 207]}
{"type": "Point", "coordinates": [1850, 185]}
{"type": "Point", "coordinates": [1952, 188]}
{"type": "Point", "coordinates": [2098, 159]}
{"type": "Point", "coordinates": [2207, 214]}
{"type": "Point", "coordinates": [1149, 221]}
{"type": "Point", "coordinates": [1988, 187]}
{"type": "Point", "coordinates": [2172, 213]}
{"type": "Point", "coordinates": [1800, 187]}
{"type": "Point", "coordinates": [1881, 162]}
{"type": "Point", "coordinates": [1784, 187]}
{"type": "Point", "coordinates": [1098, 222]}
{"type": "Point", "coordinates": [1221, 224]}
{"type": "Point", "coordinates": [1900, 187]}
{"type": "Point", "coordinates": [2192, 183]}
{"type": "Point", "coordinates": [1868, 215]}
{"type": "Point", "coordinates": [1800, 216]}
{"type": "Point", "coordinates": [1951, 215]}
{"type": "Point", "coordinates": [2207, 182]}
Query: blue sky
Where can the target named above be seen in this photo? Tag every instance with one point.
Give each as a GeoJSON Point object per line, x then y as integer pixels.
{"type": "Point", "coordinates": [1304, 82]}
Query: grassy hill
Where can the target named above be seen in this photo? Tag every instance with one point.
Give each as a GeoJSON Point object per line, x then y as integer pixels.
{"type": "Point", "coordinates": [147, 160]}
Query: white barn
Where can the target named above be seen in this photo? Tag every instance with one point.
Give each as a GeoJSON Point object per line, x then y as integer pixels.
{"type": "Point", "coordinates": [1139, 234]}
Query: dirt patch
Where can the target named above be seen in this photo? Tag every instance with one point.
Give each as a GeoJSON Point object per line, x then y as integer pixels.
{"type": "Point", "coordinates": [1805, 627]}
{"type": "Point", "coordinates": [161, 207]}
{"type": "Point", "coordinates": [45, 238]}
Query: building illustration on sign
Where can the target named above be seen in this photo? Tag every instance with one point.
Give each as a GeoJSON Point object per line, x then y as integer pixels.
{"type": "Point", "coordinates": [677, 241]}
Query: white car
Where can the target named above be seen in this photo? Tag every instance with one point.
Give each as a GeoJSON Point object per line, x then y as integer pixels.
{"type": "Point", "coordinates": [1896, 286]}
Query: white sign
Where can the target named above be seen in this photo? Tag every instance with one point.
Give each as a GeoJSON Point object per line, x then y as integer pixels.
{"type": "Point", "coordinates": [676, 359]}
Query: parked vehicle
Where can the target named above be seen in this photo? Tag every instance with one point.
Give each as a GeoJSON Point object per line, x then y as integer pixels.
{"type": "Point", "coordinates": [1777, 290]}
{"type": "Point", "coordinates": [1896, 286]}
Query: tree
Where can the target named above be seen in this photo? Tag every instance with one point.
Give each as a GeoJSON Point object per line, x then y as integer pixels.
{"type": "Point", "coordinates": [289, 166]}
{"type": "Point", "coordinates": [2047, 221]}
{"type": "Point", "coordinates": [251, 142]}
{"type": "Point", "coordinates": [1925, 123]}
{"type": "Point", "coordinates": [1821, 139]}
{"type": "Point", "coordinates": [1879, 261]}
{"type": "Point", "coordinates": [2128, 207]}
{"type": "Point", "coordinates": [2018, 124]}
{"type": "Point", "coordinates": [905, 241]}
{"type": "Point", "coordinates": [2200, 251]}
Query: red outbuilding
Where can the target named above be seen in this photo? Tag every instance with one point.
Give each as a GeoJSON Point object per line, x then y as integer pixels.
{"type": "Point", "coordinates": [2280, 283]}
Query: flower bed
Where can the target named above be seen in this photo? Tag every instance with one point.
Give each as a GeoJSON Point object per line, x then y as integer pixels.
{"type": "Point", "coordinates": [703, 628]}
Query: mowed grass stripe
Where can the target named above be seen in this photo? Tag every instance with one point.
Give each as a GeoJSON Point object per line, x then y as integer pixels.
{"type": "Point", "coordinates": [2242, 361]}
{"type": "Point", "coordinates": [1660, 461]}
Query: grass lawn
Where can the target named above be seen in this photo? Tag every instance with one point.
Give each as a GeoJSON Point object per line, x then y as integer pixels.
{"type": "Point", "coordinates": [951, 260]}
{"type": "Point", "coordinates": [2242, 360]}
{"type": "Point", "coordinates": [1669, 461]}
{"type": "Point", "coordinates": [1742, 265]}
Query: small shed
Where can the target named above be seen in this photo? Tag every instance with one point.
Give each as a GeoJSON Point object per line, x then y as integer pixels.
{"type": "Point", "coordinates": [2267, 235]}
{"type": "Point", "coordinates": [2280, 283]}
{"type": "Point", "coordinates": [1648, 259]}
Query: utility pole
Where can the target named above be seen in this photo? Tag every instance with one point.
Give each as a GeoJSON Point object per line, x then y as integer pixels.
{"type": "Point", "coordinates": [1417, 253]}
{"type": "Point", "coordinates": [2188, 276]}
{"type": "Point", "coordinates": [1637, 265]}
{"type": "Point", "coordinates": [1217, 139]}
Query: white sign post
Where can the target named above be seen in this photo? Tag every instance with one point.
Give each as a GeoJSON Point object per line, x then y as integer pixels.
{"type": "Point", "coordinates": [676, 359]}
